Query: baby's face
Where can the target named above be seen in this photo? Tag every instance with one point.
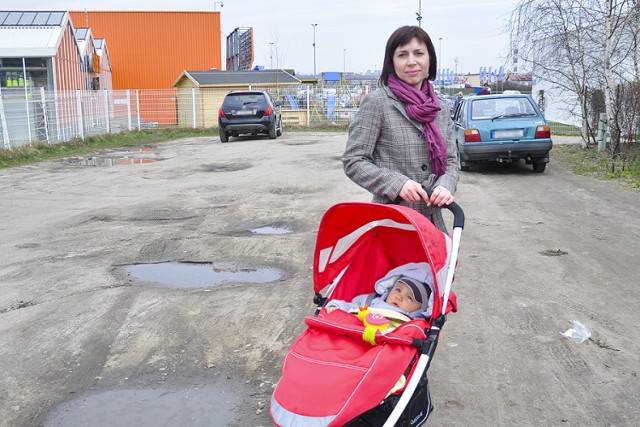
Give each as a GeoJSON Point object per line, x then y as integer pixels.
{"type": "Point", "coordinates": [402, 297]}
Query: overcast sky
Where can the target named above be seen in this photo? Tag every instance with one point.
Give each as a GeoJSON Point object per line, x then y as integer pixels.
{"type": "Point", "coordinates": [350, 34]}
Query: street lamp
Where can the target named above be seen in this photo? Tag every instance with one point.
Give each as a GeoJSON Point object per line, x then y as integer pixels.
{"type": "Point", "coordinates": [271, 54]}
{"type": "Point", "coordinates": [314, 48]}
{"type": "Point", "coordinates": [344, 61]}
{"type": "Point", "coordinates": [440, 60]}
{"type": "Point", "coordinates": [223, 44]}
{"type": "Point", "coordinates": [455, 73]}
{"type": "Point", "coordinates": [214, 8]}
{"type": "Point", "coordinates": [419, 13]}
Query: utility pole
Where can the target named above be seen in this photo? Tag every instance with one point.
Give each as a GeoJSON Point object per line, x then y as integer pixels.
{"type": "Point", "coordinates": [271, 54]}
{"type": "Point", "coordinates": [314, 48]}
{"type": "Point", "coordinates": [440, 61]}
{"type": "Point", "coordinates": [455, 73]}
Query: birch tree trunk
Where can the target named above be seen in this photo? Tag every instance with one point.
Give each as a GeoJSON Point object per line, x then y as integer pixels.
{"type": "Point", "coordinates": [609, 84]}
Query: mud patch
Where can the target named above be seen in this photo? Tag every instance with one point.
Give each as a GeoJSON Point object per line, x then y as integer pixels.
{"type": "Point", "coordinates": [291, 191]}
{"type": "Point", "coordinates": [17, 306]}
{"type": "Point", "coordinates": [27, 245]}
{"type": "Point", "coordinates": [554, 252]}
{"type": "Point", "coordinates": [158, 215]}
{"type": "Point", "coordinates": [188, 275]}
{"type": "Point", "coordinates": [308, 142]}
{"type": "Point", "coordinates": [143, 149]}
{"type": "Point", "coordinates": [226, 167]}
{"type": "Point", "coordinates": [205, 406]}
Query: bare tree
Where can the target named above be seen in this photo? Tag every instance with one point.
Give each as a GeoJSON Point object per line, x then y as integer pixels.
{"type": "Point", "coordinates": [579, 45]}
{"type": "Point", "coordinates": [553, 46]}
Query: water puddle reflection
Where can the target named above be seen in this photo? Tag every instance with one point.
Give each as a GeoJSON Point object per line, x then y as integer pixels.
{"type": "Point", "coordinates": [106, 161]}
{"type": "Point", "coordinates": [268, 229]}
{"type": "Point", "coordinates": [197, 407]}
{"type": "Point", "coordinates": [193, 275]}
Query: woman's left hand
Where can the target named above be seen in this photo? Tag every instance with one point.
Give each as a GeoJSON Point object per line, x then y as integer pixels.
{"type": "Point", "coordinates": [440, 197]}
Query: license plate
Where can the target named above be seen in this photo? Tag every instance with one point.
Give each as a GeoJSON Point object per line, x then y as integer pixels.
{"type": "Point", "coordinates": [245, 112]}
{"type": "Point", "coordinates": [508, 133]}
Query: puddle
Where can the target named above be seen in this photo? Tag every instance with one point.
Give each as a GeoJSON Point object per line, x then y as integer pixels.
{"type": "Point", "coordinates": [106, 161]}
{"type": "Point", "coordinates": [268, 229]}
{"type": "Point", "coordinates": [193, 407]}
{"type": "Point", "coordinates": [192, 275]}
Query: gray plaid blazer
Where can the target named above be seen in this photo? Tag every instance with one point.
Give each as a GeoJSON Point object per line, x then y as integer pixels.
{"type": "Point", "coordinates": [385, 148]}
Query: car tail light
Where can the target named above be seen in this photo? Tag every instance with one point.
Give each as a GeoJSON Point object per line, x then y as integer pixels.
{"type": "Point", "coordinates": [471, 135]}
{"type": "Point", "coordinates": [543, 132]}
{"type": "Point", "coordinates": [268, 111]}
{"type": "Point", "coordinates": [221, 114]}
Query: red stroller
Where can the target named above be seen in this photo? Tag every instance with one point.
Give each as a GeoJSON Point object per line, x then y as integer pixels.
{"type": "Point", "coordinates": [331, 376]}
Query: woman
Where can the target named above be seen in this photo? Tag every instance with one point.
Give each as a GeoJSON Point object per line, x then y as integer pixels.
{"type": "Point", "coordinates": [401, 138]}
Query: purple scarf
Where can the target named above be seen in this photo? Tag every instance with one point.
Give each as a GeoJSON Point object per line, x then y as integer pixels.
{"type": "Point", "coordinates": [423, 106]}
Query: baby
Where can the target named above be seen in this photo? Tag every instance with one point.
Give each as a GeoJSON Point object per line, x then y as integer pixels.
{"type": "Point", "coordinates": [406, 289]}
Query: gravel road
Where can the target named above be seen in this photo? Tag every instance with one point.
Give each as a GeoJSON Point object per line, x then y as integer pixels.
{"type": "Point", "coordinates": [84, 341]}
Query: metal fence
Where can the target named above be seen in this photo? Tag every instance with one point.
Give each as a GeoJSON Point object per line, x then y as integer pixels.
{"type": "Point", "coordinates": [32, 115]}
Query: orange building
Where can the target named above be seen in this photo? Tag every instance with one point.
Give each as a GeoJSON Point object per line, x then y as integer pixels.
{"type": "Point", "coordinates": [149, 50]}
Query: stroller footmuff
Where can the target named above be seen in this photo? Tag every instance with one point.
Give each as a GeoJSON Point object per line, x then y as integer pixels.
{"type": "Point", "coordinates": [339, 372]}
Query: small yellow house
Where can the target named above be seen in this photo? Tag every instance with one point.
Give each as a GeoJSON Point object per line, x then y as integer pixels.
{"type": "Point", "coordinates": [205, 91]}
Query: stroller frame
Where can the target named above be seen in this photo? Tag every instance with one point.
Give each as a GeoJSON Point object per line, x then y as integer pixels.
{"type": "Point", "coordinates": [426, 346]}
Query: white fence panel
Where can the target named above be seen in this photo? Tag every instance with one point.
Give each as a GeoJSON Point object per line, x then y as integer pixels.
{"type": "Point", "coordinates": [36, 116]}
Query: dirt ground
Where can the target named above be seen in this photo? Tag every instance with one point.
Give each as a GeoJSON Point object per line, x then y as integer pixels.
{"type": "Point", "coordinates": [538, 252]}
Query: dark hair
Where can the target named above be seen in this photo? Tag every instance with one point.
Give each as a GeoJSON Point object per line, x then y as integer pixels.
{"type": "Point", "coordinates": [400, 37]}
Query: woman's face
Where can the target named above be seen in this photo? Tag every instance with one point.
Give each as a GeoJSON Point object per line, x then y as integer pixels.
{"type": "Point", "coordinates": [411, 62]}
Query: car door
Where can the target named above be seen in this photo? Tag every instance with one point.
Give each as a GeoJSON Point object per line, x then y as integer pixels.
{"type": "Point", "coordinates": [459, 121]}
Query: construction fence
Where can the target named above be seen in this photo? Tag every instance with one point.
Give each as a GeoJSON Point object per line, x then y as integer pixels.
{"type": "Point", "coordinates": [33, 115]}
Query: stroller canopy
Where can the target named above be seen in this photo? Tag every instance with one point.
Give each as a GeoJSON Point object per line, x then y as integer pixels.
{"type": "Point", "coordinates": [358, 243]}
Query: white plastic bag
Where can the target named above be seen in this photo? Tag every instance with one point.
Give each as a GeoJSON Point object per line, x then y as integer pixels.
{"type": "Point", "coordinates": [579, 333]}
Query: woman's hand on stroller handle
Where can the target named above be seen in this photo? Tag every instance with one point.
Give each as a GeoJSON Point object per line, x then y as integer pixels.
{"type": "Point", "coordinates": [412, 192]}
{"type": "Point", "coordinates": [453, 207]}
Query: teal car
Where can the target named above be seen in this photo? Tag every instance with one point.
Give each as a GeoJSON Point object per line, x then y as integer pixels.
{"type": "Point", "coordinates": [501, 128]}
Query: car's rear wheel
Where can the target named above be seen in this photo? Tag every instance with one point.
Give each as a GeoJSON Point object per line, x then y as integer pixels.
{"type": "Point", "coordinates": [464, 164]}
{"type": "Point", "coordinates": [272, 131]}
{"type": "Point", "coordinates": [279, 129]}
{"type": "Point", "coordinates": [223, 136]}
{"type": "Point", "coordinates": [539, 167]}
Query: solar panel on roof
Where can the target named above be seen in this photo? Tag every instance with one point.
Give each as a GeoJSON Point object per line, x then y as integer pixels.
{"type": "Point", "coordinates": [55, 18]}
{"type": "Point", "coordinates": [41, 18]}
{"type": "Point", "coordinates": [13, 18]}
{"type": "Point", "coordinates": [27, 18]}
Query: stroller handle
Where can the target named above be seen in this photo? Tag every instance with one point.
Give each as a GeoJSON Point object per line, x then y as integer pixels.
{"type": "Point", "coordinates": [454, 208]}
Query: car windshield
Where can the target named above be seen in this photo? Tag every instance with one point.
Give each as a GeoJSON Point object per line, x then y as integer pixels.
{"type": "Point", "coordinates": [498, 108]}
{"type": "Point", "coordinates": [237, 101]}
